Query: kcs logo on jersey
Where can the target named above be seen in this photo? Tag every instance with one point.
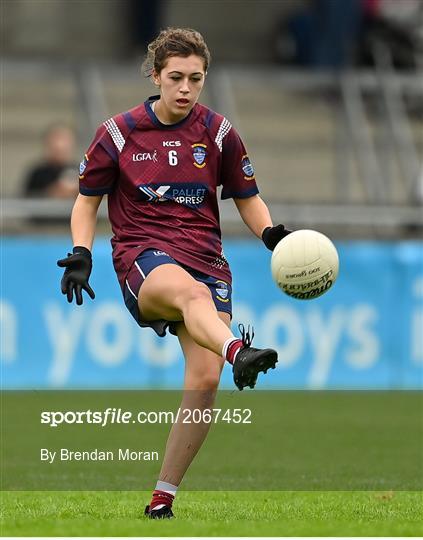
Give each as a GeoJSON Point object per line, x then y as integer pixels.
{"type": "Point", "coordinates": [199, 154]}
{"type": "Point", "coordinates": [171, 143]}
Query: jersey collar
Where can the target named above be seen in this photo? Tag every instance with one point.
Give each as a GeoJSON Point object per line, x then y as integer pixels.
{"type": "Point", "coordinates": [156, 121]}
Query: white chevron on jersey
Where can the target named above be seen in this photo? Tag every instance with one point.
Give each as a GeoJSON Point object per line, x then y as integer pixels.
{"type": "Point", "coordinates": [154, 194]}
{"type": "Point", "coordinates": [223, 130]}
{"type": "Point", "coordinates": [115, 133]}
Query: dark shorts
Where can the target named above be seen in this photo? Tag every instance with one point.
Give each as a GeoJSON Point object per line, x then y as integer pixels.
{"type": "Point", "coordinates": [146, 262]}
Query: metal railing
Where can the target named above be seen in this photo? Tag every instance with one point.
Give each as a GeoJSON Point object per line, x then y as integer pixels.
{"type": "Point", "coordinates": [353, 138]}
{"type": "Point", "coordinates": [295, 214]}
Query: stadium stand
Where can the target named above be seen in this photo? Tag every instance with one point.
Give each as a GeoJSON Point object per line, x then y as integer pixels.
{"type": "Point", "coordinates": [316, 139]}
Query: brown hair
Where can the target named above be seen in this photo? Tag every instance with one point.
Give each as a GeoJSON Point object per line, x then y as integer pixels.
{"type": "Point", "coordinates": [175, 42]}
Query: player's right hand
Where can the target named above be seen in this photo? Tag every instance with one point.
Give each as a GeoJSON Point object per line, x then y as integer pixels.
{"type": "Point", "coordinates": [78, 267]}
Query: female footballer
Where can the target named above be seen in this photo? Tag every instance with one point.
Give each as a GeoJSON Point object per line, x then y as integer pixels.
{"type": "Point", "coordinates": [161, 164]}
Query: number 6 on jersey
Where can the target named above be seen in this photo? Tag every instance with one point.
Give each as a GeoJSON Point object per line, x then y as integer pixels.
{"type": "Point", "coordinates": [173, 158]}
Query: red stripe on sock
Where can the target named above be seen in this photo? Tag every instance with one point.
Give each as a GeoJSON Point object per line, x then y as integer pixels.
{"type": "Point", "coordinates": [161, 497]}
{"type": "Point", "coordinates": [232, 350]}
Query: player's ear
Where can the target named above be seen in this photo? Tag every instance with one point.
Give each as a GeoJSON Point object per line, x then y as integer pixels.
{"type": "Point", "coordinates": [156, 78]}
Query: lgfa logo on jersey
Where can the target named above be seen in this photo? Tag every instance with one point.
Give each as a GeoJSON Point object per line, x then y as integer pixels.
{"type": "Point", "coordinates": [247, 168]}
{"type": "Point", "coordinates": [145, 156]}
{"type": "Point", "coordinates": [199, 153]}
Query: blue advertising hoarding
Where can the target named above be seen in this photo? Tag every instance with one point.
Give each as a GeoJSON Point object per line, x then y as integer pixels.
{"type": "Point", "coordinates": [366, 332]}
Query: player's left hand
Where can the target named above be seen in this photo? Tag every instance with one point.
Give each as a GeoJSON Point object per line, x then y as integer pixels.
{"type": "Point", "coordinates": [271, 236]}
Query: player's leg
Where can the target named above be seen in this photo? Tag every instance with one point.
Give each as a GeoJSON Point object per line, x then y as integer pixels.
{"type": "Point", "coordinates": [166, 291]}
{"type": "Point", "coordinates": [169, 292]}
{"type": "Point", "coordinates": [202, 375]}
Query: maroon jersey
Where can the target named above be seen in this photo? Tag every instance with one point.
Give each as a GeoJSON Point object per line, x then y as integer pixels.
{"type": "Point", "coordinates": [161, 181]}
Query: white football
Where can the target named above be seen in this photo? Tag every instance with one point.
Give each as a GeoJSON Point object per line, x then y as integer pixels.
{"type": "Point", "coordinates": [305, 264]}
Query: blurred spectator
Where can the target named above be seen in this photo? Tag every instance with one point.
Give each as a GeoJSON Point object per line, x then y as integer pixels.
{"type": "Point", "coordinates": [337, 34]}
{"type": "Point", "coordinates": [395, 25]}
{"type": "Point", "coordinates": [144, 21]}
{"type": "Point", "coordinates": [56, 175]}
{"type": "Point", "coordinates": [337, 26]}
{"type": "Point", "coordinates": [322, 34]}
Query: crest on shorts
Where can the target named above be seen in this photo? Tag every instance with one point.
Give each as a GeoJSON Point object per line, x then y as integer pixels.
{"type": "Point", "coordinates": [83, 166]}
{"type": "Point", "coordinates": [199, 154]}
{"type": "Point", "coordinates": [247, 168]}
{"type": "Point", "coordinates": [222, 291]}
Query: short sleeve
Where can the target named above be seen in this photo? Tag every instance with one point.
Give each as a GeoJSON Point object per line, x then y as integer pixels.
{"type": "Point", "coordinates": [237, 173]}
{"type": "Point", "coordinates": [99, 169]}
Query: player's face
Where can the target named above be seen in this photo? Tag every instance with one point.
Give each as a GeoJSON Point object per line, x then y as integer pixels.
{"type": "Point", "coordinates": [181, 82]}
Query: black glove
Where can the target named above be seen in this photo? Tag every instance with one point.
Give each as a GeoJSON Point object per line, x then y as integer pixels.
{"type": "Point", "coordinates": [78, 269]}
{"type": "Point", "coordinates": [271, 236]}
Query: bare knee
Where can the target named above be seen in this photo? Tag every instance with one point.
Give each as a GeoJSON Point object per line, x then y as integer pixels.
{"type": "Point", "coordinates": [198, 292]}
{"type": "Point", "coordinates": [206, 382]}
{"type": "Point", "coordinates": [209, 381]}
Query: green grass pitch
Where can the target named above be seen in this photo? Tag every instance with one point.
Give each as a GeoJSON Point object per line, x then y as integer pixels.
{"type": "Point", "coordinates": [214, 514]}
{"type": "Point", "coordinates": [310, 464]}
